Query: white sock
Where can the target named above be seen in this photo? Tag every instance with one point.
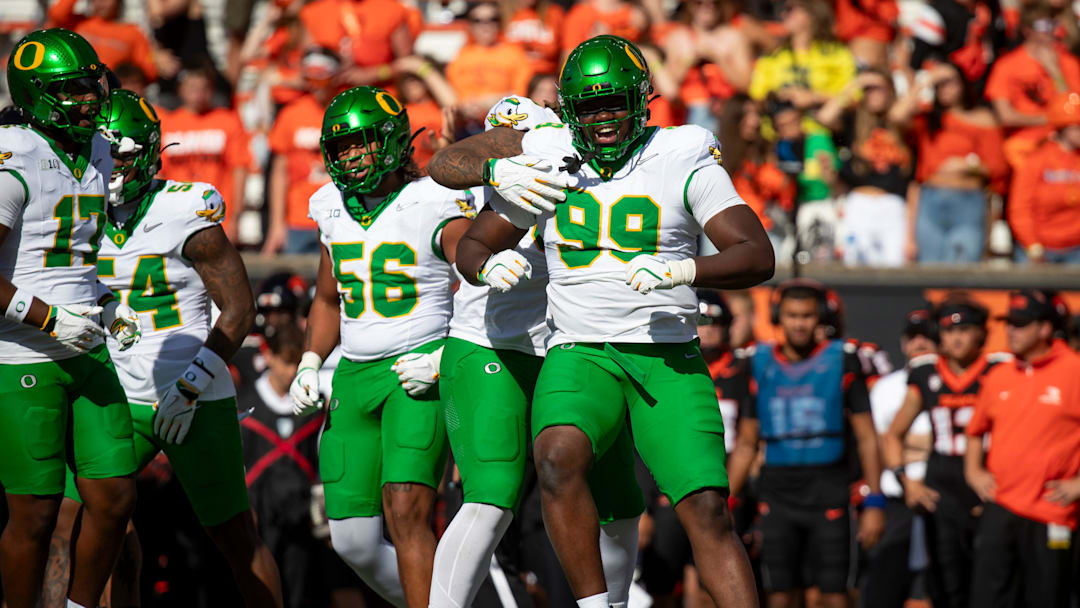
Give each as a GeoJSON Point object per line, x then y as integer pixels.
{"type": "Point", "coordinates": [463, 556]}
{"type": "Point", "coordinates": [600, 600]}
{"type": "Point", "coordinates": [359, 541]}
{"type": "Point", "coordinates": [618, 550]}
{"type": "Point", "coordinates": [71, 604]}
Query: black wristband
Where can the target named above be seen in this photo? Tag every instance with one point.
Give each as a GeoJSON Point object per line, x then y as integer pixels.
{"type": "Point", "coordinates": [50, 323]}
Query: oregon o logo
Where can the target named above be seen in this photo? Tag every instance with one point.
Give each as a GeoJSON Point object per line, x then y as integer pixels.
{"type": "Point", "coordinates": [28, 381]}
{"type": "Point", "coordinates": [39, 55]}
{"type": "Point", "coordinates": [20, 306]}
{"type": "Point", "coordinates": [567, 346]}
{"type": "Point", "coordinates": [387, 102]}
{"type": "Point", "coordinates": [77, 173]}
{"type": "Point", "coordinates": [492, 368]}
{"type": "Point", "coordinates": [119, 238]}
{"type": "Point", "coordinates": [333, 405]}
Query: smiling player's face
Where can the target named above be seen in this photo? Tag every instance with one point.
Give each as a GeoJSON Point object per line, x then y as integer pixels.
{"type": "Point", "coordinates": [602, 110]}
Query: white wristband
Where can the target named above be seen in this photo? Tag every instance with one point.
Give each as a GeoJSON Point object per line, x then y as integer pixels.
{"type": "Point", "coordinates": [310, 359]}
{"type": "Point", "coordinates": [683, 272]}
{"type": "Point", "coordinates": [19, 306]}
{"type": "Point", "coordinates": [204, 368]}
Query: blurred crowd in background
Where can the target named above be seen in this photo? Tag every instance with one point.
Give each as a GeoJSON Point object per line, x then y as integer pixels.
{"type": "Point", "coordinates": [872, 132]}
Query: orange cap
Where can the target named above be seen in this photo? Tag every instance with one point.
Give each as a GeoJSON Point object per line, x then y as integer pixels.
{"type": "Point", "coordinates": [1064, 110]}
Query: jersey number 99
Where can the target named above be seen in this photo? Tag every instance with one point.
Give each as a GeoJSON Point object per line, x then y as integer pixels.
{"type": "Point", "coordinates": [633, 227]}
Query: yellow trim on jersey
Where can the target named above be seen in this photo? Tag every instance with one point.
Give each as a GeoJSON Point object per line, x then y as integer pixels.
{"type": "Point", "coordinates": [341, 286]}
{"type": "Point", "coordinates": [386, 290]}
{"type": "Point", "coordinates": [619, 246]}
{"type": "Point", "coordinates": [581, 244]}
{"type": "Point", "coordinates": [175, 306]}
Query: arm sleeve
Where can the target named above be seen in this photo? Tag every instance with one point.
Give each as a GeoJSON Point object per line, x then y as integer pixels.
{"type": "Point", "coordinates": [205, 209]}
{"type": "Point", "coordinates": [13, 197]}
{"type": "Point", "coordinates": [456, 204]}
{"type": "Point", "coordinates": [517, 216]}
{"type": "Point", "coordinates": [748, 406]}
{"type": "Point", "coordinates": [746, 391]}
{"type": "Point", "coordinates": [708, 189]}
{"type": "Point", "coordinates": [856, 395]}
{"type": "Point", "coordinates": [980, 420]}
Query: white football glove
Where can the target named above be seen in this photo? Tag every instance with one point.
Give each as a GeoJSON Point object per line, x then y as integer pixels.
{"type": "Point", "coordinates": [647, 272]}
{"type": "Point", "coordinates": [527, 182]}
{"type": "Point", "coordinates": [175, 410]}
{"type": "Point", "coordinates": [73, 326]}
{"type": "Point", "coordinates": [305, 386]}
{"type": "Point", "coordinates": [418, 371]}
{"type": "Point", "coordinates": [503, 270]}
{"type": "Point", "coordinates": [122, 322]}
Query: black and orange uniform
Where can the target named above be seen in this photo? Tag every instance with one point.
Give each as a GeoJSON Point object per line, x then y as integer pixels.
{"type": "Point", "coordinates": [664, 560]}
{"type": "Point", "coordinates": [803, 409]}
{"type": "Point", "coordinates": [950, 400]}
{"type": "Point", "coordinates": [280, 457]}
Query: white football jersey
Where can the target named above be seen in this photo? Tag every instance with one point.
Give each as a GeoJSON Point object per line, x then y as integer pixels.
{"type": "Point", "coordinates": [393, 281]}
{"type": "Point", "coordinates": [656, 203]}
{"type": "Point", "coordinates": [52, 249]}
{"type": "Point", "coordinates": [144, 264]}
{"type": "Point", "coordinates": [514, 320]}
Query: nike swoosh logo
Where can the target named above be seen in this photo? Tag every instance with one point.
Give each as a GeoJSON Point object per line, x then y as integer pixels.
{"type": "Point", "coordinates": [148, 228]}
{"type": "Point", "coordinates": [689, 355]}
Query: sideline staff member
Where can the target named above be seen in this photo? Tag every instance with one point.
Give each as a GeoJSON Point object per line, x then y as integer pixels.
{"type": "Point", "coordinates": [1030, 482]}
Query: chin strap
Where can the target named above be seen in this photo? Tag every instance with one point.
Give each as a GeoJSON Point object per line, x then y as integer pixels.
{"type": "Point", "coordinates": [575, 163]}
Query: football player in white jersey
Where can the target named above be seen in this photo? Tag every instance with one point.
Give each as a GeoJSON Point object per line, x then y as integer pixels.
{"type": "Point", "coordinates": [383, 290]}
{"type": "Point", "coordinates": [620, 244]}
{"type": "Point", "coordinates": [62, 402]}
{"type": "Point", "coordinates": [166, 256]}
{"type": "Point", "coordinates": [486, 374]}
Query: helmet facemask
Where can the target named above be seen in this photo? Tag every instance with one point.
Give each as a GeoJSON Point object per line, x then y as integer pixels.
{"type": "Point", "coordinates": [132, 129]}
{"type": "Point", "coordinates": [606, 140]}
{"type": "Point", "coordinates": [357, 174]}
{"type": "Point", "coordinates": [77, 100]}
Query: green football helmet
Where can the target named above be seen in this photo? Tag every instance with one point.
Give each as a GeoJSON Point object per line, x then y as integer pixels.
{"type": "Point", "coordinates": [133, 130]}
{"type": "Point", "coordinates": [605, 66]}
{"type": "Point", "coordinates": [374, 116]}
{"type": "Point", "coordinates": [47, 71]}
